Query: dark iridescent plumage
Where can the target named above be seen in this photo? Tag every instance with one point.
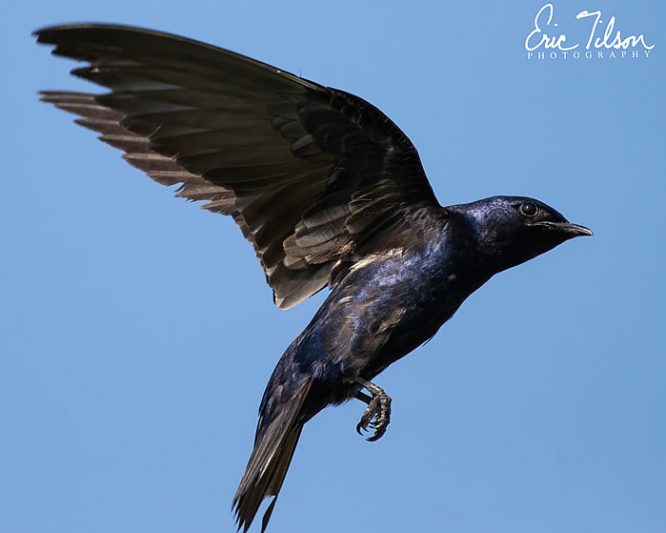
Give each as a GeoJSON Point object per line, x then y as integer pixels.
{"type": "Point", "coordinates": [329, 192]}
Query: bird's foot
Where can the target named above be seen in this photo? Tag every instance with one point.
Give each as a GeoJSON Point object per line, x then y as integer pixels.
{"type": "Point", "coordinates": [377, 415]}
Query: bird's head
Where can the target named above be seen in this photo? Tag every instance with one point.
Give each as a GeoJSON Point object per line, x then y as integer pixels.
{"type": "Point", "coordinates": [509, 230]}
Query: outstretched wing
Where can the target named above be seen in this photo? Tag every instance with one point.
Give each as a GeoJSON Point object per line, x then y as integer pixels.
{"type": "Point", "coordinates": [310, 174]}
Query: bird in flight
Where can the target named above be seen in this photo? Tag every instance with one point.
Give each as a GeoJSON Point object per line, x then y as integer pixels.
{"type": "Point", "coordinates": [329, 192]}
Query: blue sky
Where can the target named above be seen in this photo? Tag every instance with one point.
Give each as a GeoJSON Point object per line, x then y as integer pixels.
{"type": "Point", "coordinates": [137, 333]}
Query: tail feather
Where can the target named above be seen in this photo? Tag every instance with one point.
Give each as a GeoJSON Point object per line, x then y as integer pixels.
{"type": "Point", "coordinates": [270, 459]}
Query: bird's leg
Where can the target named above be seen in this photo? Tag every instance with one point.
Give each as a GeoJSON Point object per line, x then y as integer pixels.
{"type": "Point", "coordinates": [378, 413]}
{"type": "Point", "coordinates": [365, 398]}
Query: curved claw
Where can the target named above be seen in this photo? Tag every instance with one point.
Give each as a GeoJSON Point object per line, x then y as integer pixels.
{"type": "Point", "coordinates": [366, 420]}
{"type": "Point", "coordinates": [377, 435]}
{"type": "Point", "coordinates": [376, 416]}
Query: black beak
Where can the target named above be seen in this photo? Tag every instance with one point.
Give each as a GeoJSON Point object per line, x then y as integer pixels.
{"type": "Point", "coordinates": [569, 229]}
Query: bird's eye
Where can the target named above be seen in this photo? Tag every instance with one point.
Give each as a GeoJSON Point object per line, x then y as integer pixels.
{"type": "Point", "coordinates": [529, 209]}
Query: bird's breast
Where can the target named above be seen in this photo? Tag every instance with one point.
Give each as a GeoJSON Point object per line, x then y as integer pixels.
{"type": "Point", "coordinates": [388, 305]}
{"type": "Point", "coordinates": [381, 310]}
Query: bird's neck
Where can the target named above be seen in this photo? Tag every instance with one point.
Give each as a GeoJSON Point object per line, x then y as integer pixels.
{"type": "Point", "coordinates": [464, 250]}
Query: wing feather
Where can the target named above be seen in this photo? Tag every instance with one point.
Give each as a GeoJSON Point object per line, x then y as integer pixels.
{"type": "Point", "coordinates": [312, 175]}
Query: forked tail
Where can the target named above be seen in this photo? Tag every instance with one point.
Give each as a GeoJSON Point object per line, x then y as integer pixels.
{"type": "Point", "coordinates": [273, 449]}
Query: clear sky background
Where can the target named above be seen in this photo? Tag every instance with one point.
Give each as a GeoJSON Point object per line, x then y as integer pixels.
{"type": "Point", "coordinates": [137, 333]}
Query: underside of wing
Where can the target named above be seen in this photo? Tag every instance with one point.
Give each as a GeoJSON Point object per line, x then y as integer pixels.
{"type": "Point", "coordinates": [310, 174]}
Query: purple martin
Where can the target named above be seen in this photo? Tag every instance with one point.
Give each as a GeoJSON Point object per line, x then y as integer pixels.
{"type": "Point", "coordinates": [329, 192]}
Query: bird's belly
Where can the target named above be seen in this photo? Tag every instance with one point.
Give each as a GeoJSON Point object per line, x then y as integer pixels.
{"type": "Point", "coordinates": [406, 317]}
{"type": "Point", "coordinates": [414, 329]}
{"type": "Point", "coordinates": [375, 317]}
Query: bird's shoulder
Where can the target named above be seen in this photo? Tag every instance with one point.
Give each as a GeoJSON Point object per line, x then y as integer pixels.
{"type": "Point", "coordinates": [405, 246]}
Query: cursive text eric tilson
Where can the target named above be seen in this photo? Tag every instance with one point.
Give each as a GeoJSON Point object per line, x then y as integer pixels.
{"type": "Point", "coordinates": [546, 41]}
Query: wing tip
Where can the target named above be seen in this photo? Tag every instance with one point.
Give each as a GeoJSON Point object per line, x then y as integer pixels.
{"type": "Point", "coordinates": [44, 32]}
